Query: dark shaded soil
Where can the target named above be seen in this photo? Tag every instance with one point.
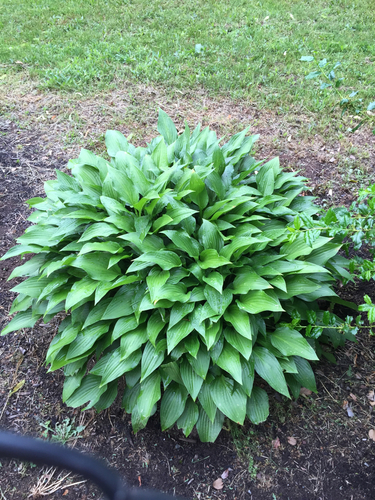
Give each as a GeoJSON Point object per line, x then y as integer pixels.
{"type": "Point", "coordinates": [332, 456]}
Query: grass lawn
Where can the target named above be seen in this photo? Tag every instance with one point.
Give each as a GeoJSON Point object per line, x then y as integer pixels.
{"type": "Point", "coordinates": [241, 48]}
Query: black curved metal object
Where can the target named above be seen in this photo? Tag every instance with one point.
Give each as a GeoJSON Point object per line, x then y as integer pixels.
{"type": "Point", "coordinates": [44, 453]}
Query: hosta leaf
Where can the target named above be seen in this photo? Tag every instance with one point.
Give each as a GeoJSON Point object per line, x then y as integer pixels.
{"type": "Point", "coordinates": [170, 371]}
{"type": "Point", "coordinates": [211, 259]}
{"type": "Point", "coordinates": [155, 280]}
{"type": "Point", "coordinates": [265, 179]}
{"type": "Point", "coordinates": [80, 290]}
{"type": "Point", "coordinates": [154, 326]}
{"type": "Point", "coordinates": [257, 408]}
{"type": "Point", "coordinates": [174, 293]}
{"type": "Point", "coordinates": [297, 285]}
{"type": "Point", "coordinates": [115, 142]}
{"type": "Point", "coordinates": [267, 367]}
{"type": "Point", "coordinates": [99, 229]}
{"type": "Point", "coordinates": [177, 333]}
{"type": "Point", "coordinates": [191, 380]}
{"type": "Point", "coordinates": [290, 342]}
{"type": "Point", "coordinates": [124, 186]}
{"type": "Point", "coordinates": [86, 339]}
{"type": "Point", "coordinates": [107, 398]}
{"type": "Point", "coordinates": [105, 246]}
{"type": "Point", "coordinates": [66, 337]}
{"type": "Point", "coordinates": [166, 260]}
{"type": "Point", "coordinates": [240, 343]}
{"type": "Point", "coordinates": [247, 375]}
{"type": "Point", "coordinates": [201, 363]}
{"type": "Point", "coordinates": [229, 360]}
{"type": "Point", "coordinates": [23, 319]}
{"type": "Point", "coordinates": [189, 417]}
{"type": "Point", "coordinates": [111, 366]}
{"type": "Point", "coordinates": [179, 311]}
{"type": "Point", "coordinates": [95, 264]}
{"type": "Point", "coordinates": [240, 321]}
{"type": "Point", "coordinates": [166, 127]}
{"type": "Point", "coordinates": [151, 360]}
{"type": "Point", "coordinates": [184, 242]}
{"type": "Point", "coordinates": [215, 280]}
{"type": "Point", "coordinates": [209, 236]}
{"type": "Point", "coordinates": [258, 301]}
{"type": "Point", "coordinates": [305, 374]}
{"type": "Point", "coordinates": [32, 287]}
{"type": "Point", "coordinates": [218, 301]}
{"type": "Point", "coordinates": [192, 345]}
{"type": "Point", "coordinates": [208, 431]}
{"type": "Point", "coordinates": [89, 390]}
{"type": "Point", "coordinates": [149, 395]}
{"type": "Point", "coordinates": [229, 398]}
{"type": "Point", "coordinates": [129, 400]}
{"type": "Point", "coordinates": [172, 405]}
{"type": "Point", "coordinates": [29, 268]}
{"type": "Point", "coordinates": [131, 341]}
{"type": "Point", "coordinates": [72, 383]}
{"type": "Point", "coordinates": [129, 165]}
{"type": "Point", "coordinates": [246, 280]}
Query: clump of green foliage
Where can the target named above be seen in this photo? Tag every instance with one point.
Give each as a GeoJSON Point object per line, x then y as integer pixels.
{"type": "Point", "coordinates": [187, 268]}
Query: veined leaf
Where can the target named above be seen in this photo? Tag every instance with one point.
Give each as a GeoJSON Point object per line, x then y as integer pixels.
{"type": "Point", "coordinates": [191, 380]}
{"type": "Point", "coordinates": [208, 431]}
{"type": "Point", "coordinates": [290, 342]}
{"type": "Point", "coordinates": [229, 398]}
{"type": "Point", "coordinates": [240, 343]}
{"type": "Point", "coordinates": [189, 417]}
{"type": "Point", "coordinates": [229, 360]}
{"type": "Point", "coordinates": [267, 366]}
{"type": "Point", "coordinates": [172, 405]}
{"type": "Point", "coordinates": [211, 259]}
{"type": "Point", "coordinates": [166, 260]}
{"type": "Point", "coordinates": [257, 408]}
{"type": "Point", "coordinates": [215, 280]}
{"type": "Point", "coordinates": [240, 321]}
{"type": "Point", "coordinates": [258, 301]}
{"type": "Point", "coordinates": [149, 395]}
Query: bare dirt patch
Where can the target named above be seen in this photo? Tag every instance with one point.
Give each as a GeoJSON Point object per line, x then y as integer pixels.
{"type": "Point", "coordinates": [331, 456]}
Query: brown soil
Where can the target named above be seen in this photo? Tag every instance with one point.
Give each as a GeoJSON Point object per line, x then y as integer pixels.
{"type": "Point", "coordinates": [333, 456]}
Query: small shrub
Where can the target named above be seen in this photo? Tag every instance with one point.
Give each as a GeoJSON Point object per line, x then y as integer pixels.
{"type": "Point", "coordinates": [184, 267]}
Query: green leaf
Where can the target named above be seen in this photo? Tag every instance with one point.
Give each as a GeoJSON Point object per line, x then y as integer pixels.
{"type": "Point", "coordinates": [211, 259]}
{"type": "Point", "coordinates": [209, 236]}
{"type": "Point", "coordinates": [246, 280]}
{"type": "Point", "coordinates": [240, 343]}
{"type": "Point", "coordinates": [154, 326]}
{"type": "Point", "coordinates": [258, 301]}
{"type": "Point", "coordinates": [160, 156]}
{"type": "Point", "coordinates": [166, 127]}
{"type": "Point", "coordinates": [165, 259]}
{"type": "Point", "coordinates": [111, 366]}
{"type": "Point", "coordinates": [130, 166]}
{"type": "Point", "coordinates": [208, 431]}
{"type": "Point", "coordinates": [201, 363]}
{"type": "Point", "coordinates": [107, 398]}
{"type": "Point", "coordinates": [267, 367]}
{"type": "Point", "coordinates": [115, 142]}
{"type": "Point", "coordinates": [265, 178]}
{"type": "Point", "coordinates": [218, 301]}
{"type": "Point", "coordinates": [229, 398]}
{"type": "Point", "coordinates": [172, 405]}
{"type": "Point", "coordinates": [257, 408]}
{"type": "Point", "coordinates": [155, 280]}
{"type": "Point", "coordinates": [215, 280]}
{"type": "Point", "coordinates": [177, 333]}
{"type": "Point", "coordinates": [305, 374]}
{"type": "Point", "coordinates": [290, 342]}
{"type": "Point", "coordinates": [23, 319]}
{"type": "Point", "coordinates": [89, 390]}
{"type": "Point", "coordinates": [191, 380]}
{"type": "Point", "coordinates": [86, 339]}
{"type": "Point", "coordinates": [98, 229]}
{"type": "Point", "coordinates": [229, 360]}
{"type": "Point", "coordinates": [179, 311]}
{"type": "Point", "coordinates": [307, 58]}
{"type": "Point", "coordinates": [184, 242]}
{"type": "Point", "coordinates": [149, 395]}
{"type": "Point", "coordinates": [95, 264]}
{"type": "Point", "coordinates": [312, 75]}
{"type": "Point", "coordinates": [132, 341]}
{"type": "Point", "coordinates": [152, 358]}
{"type": "Point", "coordinates": [189, 417]}
{"type": "Point", "coordinates": [247, 375]}
{"type": "Point", "coordinates": [80, 290]}
{"type": "Point", "coordinates": [240, 321]}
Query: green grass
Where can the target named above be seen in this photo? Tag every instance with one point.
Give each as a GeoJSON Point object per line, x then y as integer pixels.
{"type": "Point", "coordinates": [241, 48]}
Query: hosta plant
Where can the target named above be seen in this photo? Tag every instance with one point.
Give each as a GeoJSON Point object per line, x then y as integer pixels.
{"type": "Point", "coordinates": [185, 269]}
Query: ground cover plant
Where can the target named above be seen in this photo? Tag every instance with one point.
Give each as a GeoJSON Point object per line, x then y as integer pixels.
{"type": "Point", "coordinates": [186, 266]}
